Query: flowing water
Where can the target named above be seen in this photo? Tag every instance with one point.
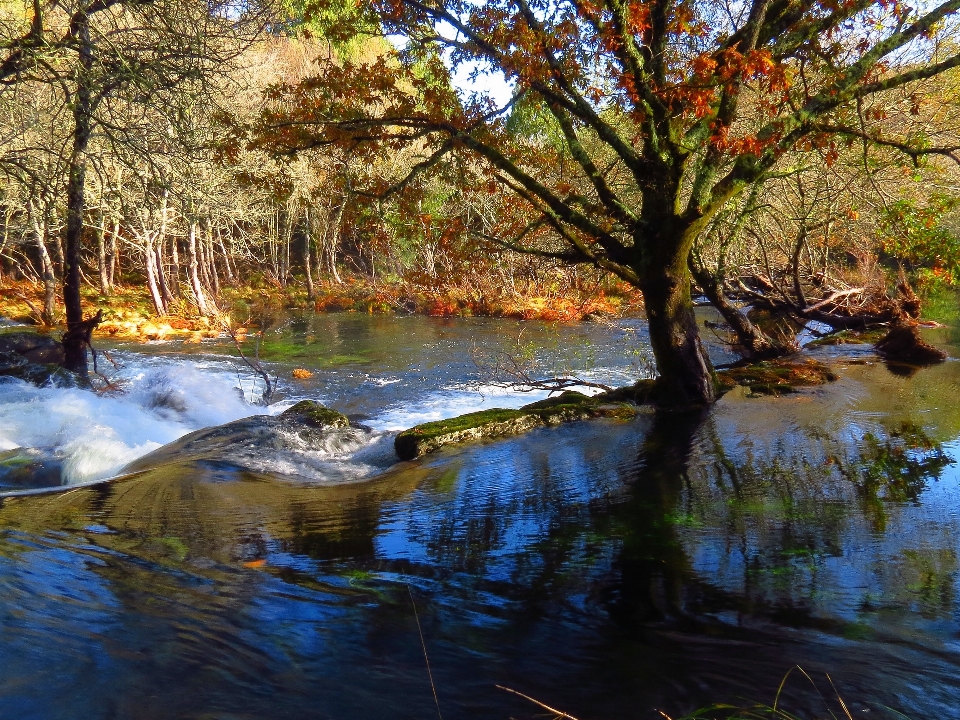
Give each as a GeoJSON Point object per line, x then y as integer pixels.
{"type": "Point", "coordinates": [612, 569]}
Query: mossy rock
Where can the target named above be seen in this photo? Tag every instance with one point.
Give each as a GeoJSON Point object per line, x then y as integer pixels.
{"type": "Point", "coordinates": [849, 337]}
{"type": "Point", "coordinates": [315, 414]}
{"type": "Point", "coordinates": [500, 422]}
{"type": "Point", "coordinates": [776, 377]}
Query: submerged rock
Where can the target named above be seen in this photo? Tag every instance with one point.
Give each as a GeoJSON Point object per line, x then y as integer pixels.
{"type": "Point", "coordinates": [499, 422]}
{"type": "Point", "coordinates": [35, 358]}
{"type": "Point", "coordinates": [305, 436]}
{"type": "Point", "coordinates": [28, 468]}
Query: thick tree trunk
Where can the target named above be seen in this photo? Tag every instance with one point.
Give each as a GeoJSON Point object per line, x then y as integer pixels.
{"type": "Point", "coordinates": [685, 373]}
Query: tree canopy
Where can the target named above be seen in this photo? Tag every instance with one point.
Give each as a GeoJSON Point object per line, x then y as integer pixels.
{"type": "Point", "coordinates": [668, 112]}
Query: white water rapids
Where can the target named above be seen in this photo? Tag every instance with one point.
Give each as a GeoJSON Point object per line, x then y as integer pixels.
{"type": "Point", "coordinates": [165, 397]}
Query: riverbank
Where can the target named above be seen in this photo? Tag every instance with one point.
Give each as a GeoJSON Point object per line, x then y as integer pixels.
{"type": "Point", "coordinates": [129, 312]}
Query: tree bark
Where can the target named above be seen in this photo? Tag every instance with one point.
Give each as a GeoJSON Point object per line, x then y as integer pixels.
{"type": "Point", "coordinates": [685, 377]}
{"type": "Point", "coordinates": [41, 231]}
{"type": "Point", "coordinates": [307, 253]}
{"type": "Point", "coordinates": [751, 338]}
{"type": "Point", "coordinates": [102, 264]}
{"type": "Point", "coordinates": [150, 266]}
{"type": "Point", "coordinates": [226, 257]}
{"type": "Point", "coordinates": [74, 346]}
{"type": "Point", "coordinates": [112, 255]}
{"type": "Point", "coordinates": [192, 268]}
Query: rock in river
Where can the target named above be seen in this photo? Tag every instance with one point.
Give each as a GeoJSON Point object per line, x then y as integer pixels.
{"type": "Point", "coordinates": [35, 358]}
{"type": "Point", "coordinates": [307, 439]}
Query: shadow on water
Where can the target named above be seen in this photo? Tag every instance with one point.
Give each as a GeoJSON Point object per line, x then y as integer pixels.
{"type": "Point", "coordinates": [611, 569]}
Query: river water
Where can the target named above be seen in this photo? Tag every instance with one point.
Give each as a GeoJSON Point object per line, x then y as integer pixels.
{"type": "Point", "coordinates": [611, 569]}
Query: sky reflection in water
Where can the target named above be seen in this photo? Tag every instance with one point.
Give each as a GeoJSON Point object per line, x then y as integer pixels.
{"type": "Point", "coordinates": [607, 568]}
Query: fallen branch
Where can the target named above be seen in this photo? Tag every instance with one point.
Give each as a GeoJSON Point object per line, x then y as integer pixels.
{"type": "Point", "coordinates": [254, 364]}
{"type": "Point", "coordinates": [558, 713]}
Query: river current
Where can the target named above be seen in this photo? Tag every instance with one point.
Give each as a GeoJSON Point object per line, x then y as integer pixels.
{"type": "Point", "coordinates": [610, 569]}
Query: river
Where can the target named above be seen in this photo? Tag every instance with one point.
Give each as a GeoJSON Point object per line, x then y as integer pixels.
{"type": "Point", "coordinates": [611, 569]}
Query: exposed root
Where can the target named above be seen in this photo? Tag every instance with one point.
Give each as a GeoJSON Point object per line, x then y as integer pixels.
{"type": "Point", "coordinates": [903, 344]}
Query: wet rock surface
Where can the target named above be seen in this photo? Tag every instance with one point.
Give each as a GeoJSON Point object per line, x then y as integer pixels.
{"type": "Point", "coordinates": [33, 347]}
{"type": "Point", "coordinates": [29, 468]}
{"type": "Point", "coordinates": [307, 430]}
{"type": "Point", "coordinates": [35, 358]}
{"type": "Point", "coordinates": [497, 422]}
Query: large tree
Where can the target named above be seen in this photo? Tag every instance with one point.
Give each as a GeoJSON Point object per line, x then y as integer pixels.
{"type": "Point", "coordinates": [668, 111]}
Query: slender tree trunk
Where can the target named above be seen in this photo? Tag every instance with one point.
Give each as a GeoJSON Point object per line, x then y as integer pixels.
{"type": "Point", "coordinates": [76, 338]}
{"type": "Point", "coordinates": [41, 232]}
{"type": "Point", "coordinates": [755, 343]}
{"type": "Point", "coordinates": [226, 258]}
{"type": "Point", "coordinates": [192, 270]}
{"type": "Point", "coordinates": [161, 241]}
{"type": "Point", "coordinates": [685, 372]}
{"type": "Point", "coordinates": [7, 215]}
{"type": "Point", "coordinates": [162, 276]}
{"type": "Point", "coordinates": [211, 259]}
{"type": "Point", "coordinates": [150, 267]}
{"type": "Point", "coordinates": [175, 259]}
{"type": "Point", "coordinates": [112, 255]}
{"type": "Point", "coordinates": [102, 255]}
{"type": "Point", "coordinates": [307, 253]}
{"type": "Point", "coordinates": [332, 238]}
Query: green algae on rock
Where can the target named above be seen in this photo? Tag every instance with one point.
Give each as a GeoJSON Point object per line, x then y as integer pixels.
{"type": "Point", "coordinates": [315, 414]}
{"type": "Point", "coordinates": [499, 422]}
{"type": "Point", "coordinates": [776, 377]}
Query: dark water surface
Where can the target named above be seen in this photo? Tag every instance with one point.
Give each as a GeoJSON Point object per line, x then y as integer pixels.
{"type": "Point", "coordinates": [611, 569]}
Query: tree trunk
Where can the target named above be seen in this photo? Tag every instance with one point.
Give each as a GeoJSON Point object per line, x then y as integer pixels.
{"type": "Point", "coordinates": [150, 266]}
{"type": "Point", "coordinates": [685, 373]}
{"type": "Point", "coordinates": [307, 254]}
{"type": "Point", "coordinates": [102, 255]}
{"type": "Point", "coordinates": [74, 341]}
{"type": "Point", "coordinates": [332, 241]}
{"type": "Point", "coordinates": [749, 336]}
{"type": "Point", "coordinates": [112, 256]}
{"type": "Point", "coordinates": [41, 231]}
{"type": "Point", "coordinates": [226, 257]}
{"type": "Point", "coordinates": [162, 276]}
{"type": "Point", "coordinates": [192, 267]}
{"type": "Point", "coordinates": [211, 259]}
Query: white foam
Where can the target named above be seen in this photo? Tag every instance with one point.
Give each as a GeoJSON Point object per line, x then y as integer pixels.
{"type": "Point", "coordinates": [448, 403]}
{"type": "Point", "coordinates": [95, 436]}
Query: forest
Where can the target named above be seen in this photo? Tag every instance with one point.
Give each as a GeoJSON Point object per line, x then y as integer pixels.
{"type": "Point", "coordinates": [508, 359]}
{"type": "Point", "coordinates": [183, 151]}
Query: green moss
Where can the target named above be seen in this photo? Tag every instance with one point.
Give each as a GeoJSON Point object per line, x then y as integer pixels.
{"type": "Point", "coordinates": [500, 422]}
{"type": "Point", "coordinates": [850, 337]}
{"type": "Point", "coordinates": [313, 413]}
{"type": "Point", "coordinates": [775, 377]}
